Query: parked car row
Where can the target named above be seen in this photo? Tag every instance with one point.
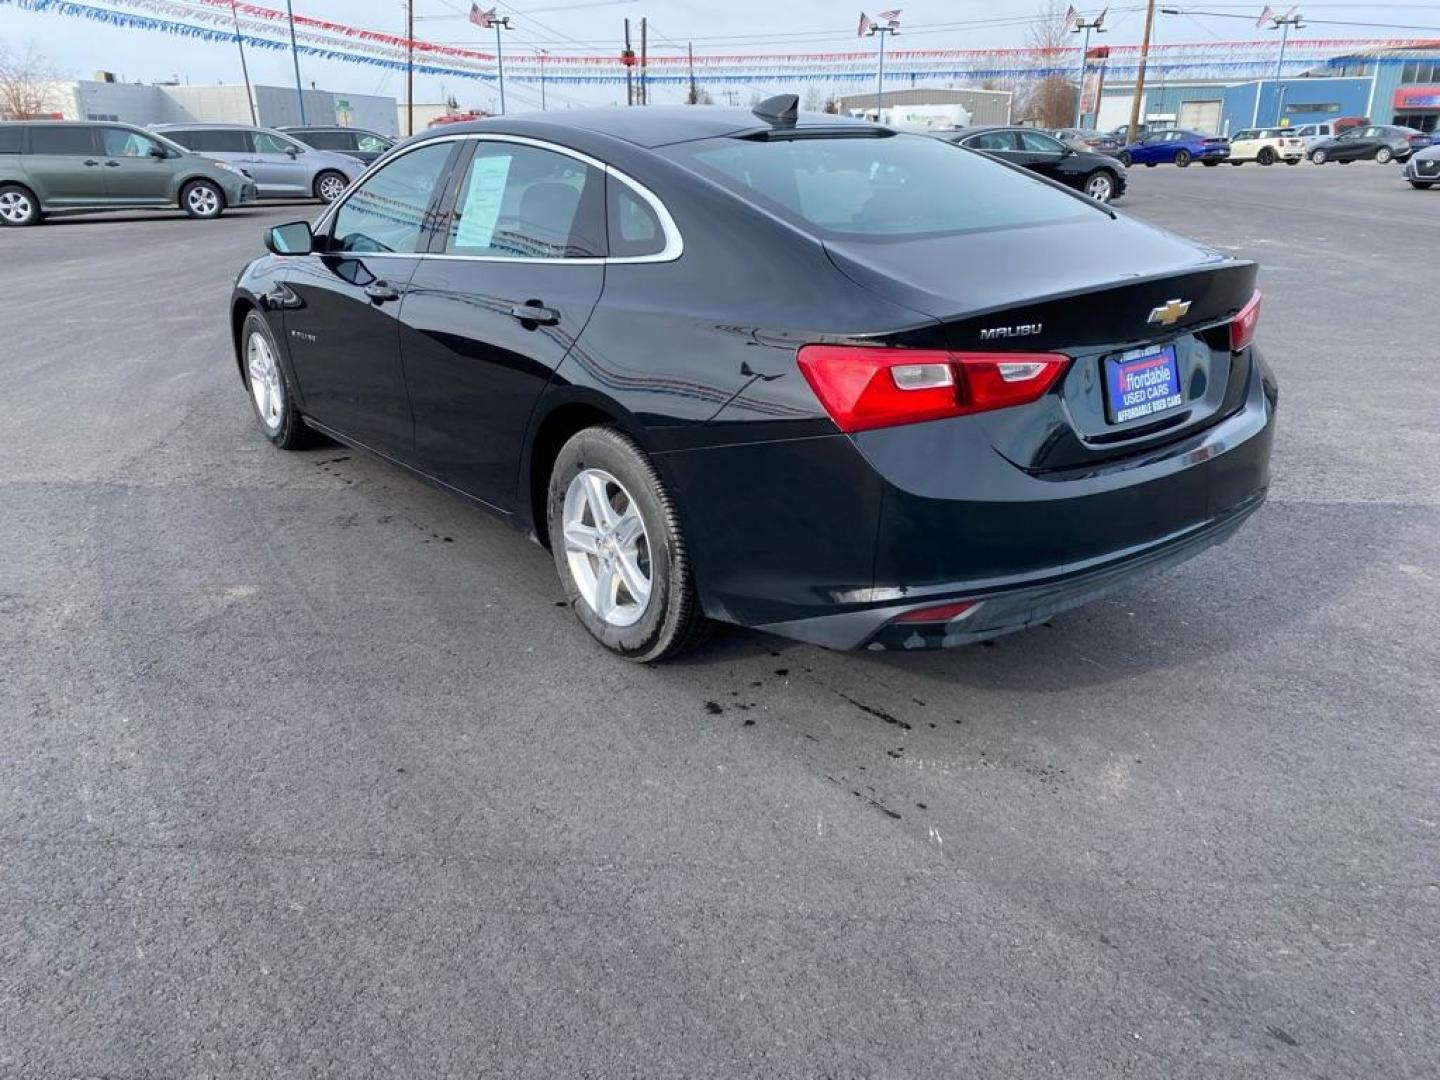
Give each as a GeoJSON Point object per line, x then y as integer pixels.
{"type": "Point", "coordinates": [60, 166]}
{"type": "Point", "coordinates": [1098, 175]}
{"type": "Point", "coordinates": [1344, 140]}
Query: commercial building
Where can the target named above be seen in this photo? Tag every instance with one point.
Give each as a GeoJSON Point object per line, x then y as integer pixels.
{"type": "Point", "coordinates": [275, 106]}
{"type": "Point", "coordinates": [984, 106]}
{"type": "Point", "coordinates": [1390, 86]}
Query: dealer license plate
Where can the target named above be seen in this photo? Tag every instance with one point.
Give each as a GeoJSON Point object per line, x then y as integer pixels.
{"type": "Point", "coordinates": [1142, 382]}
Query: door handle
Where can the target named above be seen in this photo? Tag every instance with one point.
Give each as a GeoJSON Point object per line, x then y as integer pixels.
{"type": "Point", "coordinates": [112, 164]}
{"type": "Point", "coordinates": [91, 162]}
{"type": "Point", "coordinates": [532, 311]}
{"type": "Point", "coordinates": [381, 291]}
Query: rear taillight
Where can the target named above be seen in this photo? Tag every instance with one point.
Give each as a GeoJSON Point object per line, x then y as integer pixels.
{"type": "Point", "coordinates": [1242, 327]}
{"type": "Point", "coordinates": [865, 387]}
{"type": "Point", "coordinates": [937, 613]}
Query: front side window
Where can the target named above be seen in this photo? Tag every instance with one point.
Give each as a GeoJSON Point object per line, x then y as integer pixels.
{"type": "Point", "coordinates": [268, 143]}
{"type": "Point", "coordinates": [131, 144]}
{"type": "Point", "coordinates": [371, 144]}
{"type": "Point", "coordinates": [328, 140]}
{"type": "Point", "coordinates": [387, 212]}
{"type": "Point", "coordinates": [1038, 142]}
{"type": "Point", "coordinates": [877, 187]}
{"type": "Point", "coordinates": [75, 141]}
{"type": "Point", "coordinates": [518, 201]}
{"type": "Point", "coordinates": [213, 140]}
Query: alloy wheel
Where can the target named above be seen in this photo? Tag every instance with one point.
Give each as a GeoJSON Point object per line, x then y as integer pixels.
{"type": "Point", "coordinates": [607, 547]}
{"type": "Point", "coordinates": [1100, 187]}
{"type": "Point", "coordinates": [331, 187]}
{"type": "Point", "coordinates": [1383, 155]}
{"type": "Point", "coordinates": [203, 200]}
{"type": "Point", "coordinates": [15, 207]}
{"type": "Point", "coordinates": [266, 385]}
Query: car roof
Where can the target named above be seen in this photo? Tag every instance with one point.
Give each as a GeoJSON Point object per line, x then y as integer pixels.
{"type": "Point", "coordinates": [207, 124]}
{"type": "Point", "coordinates": [329, 127]}
{"type": "Point", "coordinates": [660, 125]}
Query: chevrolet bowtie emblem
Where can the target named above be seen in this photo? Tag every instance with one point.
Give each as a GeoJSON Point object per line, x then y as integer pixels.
{"type": "Point", "coordinates": [1169, 312]}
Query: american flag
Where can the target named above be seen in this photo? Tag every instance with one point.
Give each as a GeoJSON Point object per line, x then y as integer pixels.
{"type": "Point", "coordinates": [891, 17]}
{"type": "Point", "coordinates": [1265, 16]}
{"type": "Point", "coordinates": [864, 27]}
{"type": "Point", "coordinates": [482, 19]}
{"type": "Point", "coordinates": [1071, 15]}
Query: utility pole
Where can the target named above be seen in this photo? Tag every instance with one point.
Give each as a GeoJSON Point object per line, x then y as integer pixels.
{"type": "Point", "coordinates": [877, 30]}
{"type": "Point", "coordinates": [244, 68]}
{"type": "Point", "coordinates": [1098, 25]}
{"type": "Point", "coordinates": [502, 23]}
{"type": "Point", "coordinates": [295, 55]}
{"type": "Point", "coordinates": [1283, 23]}
{"type": "Point", "coordinates": [409, 67]}
{"type": "Point", "coordinates": [1131, 134]}
{"type": "Point", "coordinates": [543, 54]}
{"type": "Point", "coordinates": [644, 55]}
{"type": "Point", "coordinates": [690, 53]}
{"type": "Point", "coordinates": [627, 58]}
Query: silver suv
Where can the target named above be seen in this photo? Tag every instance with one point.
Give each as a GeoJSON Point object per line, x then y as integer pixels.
{"type": "Point", "coordinates": [283, 167]}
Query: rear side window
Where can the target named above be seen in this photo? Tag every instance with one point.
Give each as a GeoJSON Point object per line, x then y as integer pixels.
{"type": "Point", "coordinates": [387, 212]}
{"type": "Point", "coordinates": [634, 229]}
{"type": "Point", "coordinates": [10, 138]}
{"type": "Point", "coordinates": [887, 187]}
{"type": "Point", "coordinates": [62, 140]}
{"type": "Point", "coordinates": [518, 201]}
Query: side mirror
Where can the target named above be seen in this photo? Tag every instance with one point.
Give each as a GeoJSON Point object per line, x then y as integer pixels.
{"type": "Point", "coordinates": [292, 151]}
{"type": "Point", "coordinates": [158, 151]}
{"type": "Point", "coordinates": [292, 238]}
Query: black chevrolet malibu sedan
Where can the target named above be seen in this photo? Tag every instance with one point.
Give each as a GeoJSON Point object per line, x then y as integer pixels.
{"type": "Point", "coordinates": [799, 373]}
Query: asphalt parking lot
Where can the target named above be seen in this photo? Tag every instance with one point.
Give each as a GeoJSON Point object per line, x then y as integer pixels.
{"type": "Point", "coordinates": [304, 772]}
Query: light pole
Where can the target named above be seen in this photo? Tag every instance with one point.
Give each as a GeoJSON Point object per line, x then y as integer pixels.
{"type": "Point", "coordinates": [1098, 25]}
{"type": "Point", "coordinates": [295, 55]}
{"type": "Point", "coordinates": [500, 23]}
{"type": "Point", "coordinates": [876, 29]}
{"type": "Point", "coordinates": [543, 54]}
{"type": "Point", "coordinates": [1283, 23]}
{"type": "Point", "coordinates": [244, 68]}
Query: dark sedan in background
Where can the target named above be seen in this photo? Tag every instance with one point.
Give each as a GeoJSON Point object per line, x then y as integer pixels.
{"type": "Point", "coordinates": [1378, 142]}
{"type": "Point", "coordinates": [771, 369]}
{"type": "Point", "coordinates": [1176, 146]}
{"type": "Point", "coordinates": [1099, 176]}
{"type": "Point", "coordinates": [1096, 142]}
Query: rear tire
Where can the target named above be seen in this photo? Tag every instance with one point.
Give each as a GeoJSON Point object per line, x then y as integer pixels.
{"type": "Point", "coordinates": [1182, 158]}
{"type": "Point", "coordinates": [18, 206]}
{"type": "Point", "coordinates": [330, 185]}
{"type": "Point", "coordinates": [1266, 156]}
{"type": "Point", "coordinates": [1317, 157]}
{"type": "Point", "coordinates": [1384, 156]}
{"type": "Point", "coordinates": [619, 550]}
{"type": "Point", "coordinates": [271, 395]}
{"type": "Point", "coordinates": [202, 199]}
{"type": "Point", "coordinates": [1125, 159]}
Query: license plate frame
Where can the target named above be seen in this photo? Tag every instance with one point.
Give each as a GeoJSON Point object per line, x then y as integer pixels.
{"type": "Point", "coordinates": [1141, 384]}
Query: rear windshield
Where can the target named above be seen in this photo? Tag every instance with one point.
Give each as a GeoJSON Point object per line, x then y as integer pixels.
{"type": "Point", "coordinates": [886, 188]}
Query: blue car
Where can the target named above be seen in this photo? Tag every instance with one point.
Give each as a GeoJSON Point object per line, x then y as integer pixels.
{"type": "Point", "coordinates": [1176, 146]}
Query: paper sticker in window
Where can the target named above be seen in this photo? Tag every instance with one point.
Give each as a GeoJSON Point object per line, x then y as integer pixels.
{"type": "Point", "coordinates": [480, 211]}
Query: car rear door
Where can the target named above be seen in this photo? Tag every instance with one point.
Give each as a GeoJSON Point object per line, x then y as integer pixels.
{"type": "Point", "coordinates": [62, 162]}
{"type": "Point", "coordinates": [516, 269]}
{"type": "Point", "coordinates": [342, 302]}
{"type": "Point", "coordinates": [137, 169]}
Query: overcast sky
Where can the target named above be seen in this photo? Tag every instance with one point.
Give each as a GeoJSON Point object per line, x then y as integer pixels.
{"type": "Point", "coordinates": [79, 47]}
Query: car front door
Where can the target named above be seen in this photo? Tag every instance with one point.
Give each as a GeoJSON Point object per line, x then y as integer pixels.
{"type": "Point", "coordinates": [1352, 145]}
{"type": "Point", "coordinates": [1000, 144]}
{"type": "Point", "coordinates": [1150, 151]}
{"type": "Point", "coordinates": [62, 162]}
{"type": "Point", "coordinates": [137, 169]}
{"type": "Point", "coordinates": [515, 272]}
{"type": "Point", "coordinates": [281, 163]}
{"type": "Point", "coordinates": [342, 302]}
{"type": "Point", "coordinates": [1042, 153]}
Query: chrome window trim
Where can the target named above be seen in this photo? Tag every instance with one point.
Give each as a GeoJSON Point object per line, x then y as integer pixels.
{"type": "Point", "coordinates": [674, 242]}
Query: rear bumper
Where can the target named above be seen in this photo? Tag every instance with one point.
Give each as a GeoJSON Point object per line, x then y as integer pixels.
{"type": "Point", "coordinates": [828, 539]}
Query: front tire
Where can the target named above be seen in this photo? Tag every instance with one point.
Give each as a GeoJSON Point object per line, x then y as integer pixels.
{"type": "Point", "coordinates": [202, 199]}
{"type": "Point", "coordinates": [1384, 155]}
{"type": "Point", "coordinates": [1100, 186]}
{"type": "Point", "coordinates": [18, 206]}
{"type": "Point", "coordinates": [268, 388]}
{"type": "Point", "coordinates": [619, 550]}
{"type": "Point", "coordinates": [1182, 158]}
{"type": "Point", "coordinates": [1125, 159]}
{"type": "Point", "coordinates": [1422, 185]}
{"type": "Point", "coordinates": [329, 186]}
{"type": "Point", "coordinates": [1209, 164]}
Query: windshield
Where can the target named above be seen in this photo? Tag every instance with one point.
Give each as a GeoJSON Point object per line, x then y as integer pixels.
{"type": "Point", "coordinates": [892, 188]}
